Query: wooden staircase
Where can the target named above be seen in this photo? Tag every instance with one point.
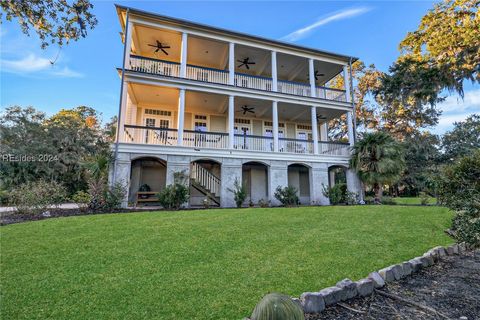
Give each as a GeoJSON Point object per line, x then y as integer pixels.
{"type": "Point", "coordinates": [205, 182]}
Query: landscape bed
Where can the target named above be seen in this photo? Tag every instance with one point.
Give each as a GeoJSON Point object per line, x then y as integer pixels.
{"type": "Point", "coordinates": [205, 264]}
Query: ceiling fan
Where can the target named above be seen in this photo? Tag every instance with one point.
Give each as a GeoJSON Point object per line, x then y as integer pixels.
{"type": "Point", "coordinates": [316, 75]}
{"type": "Point", "coordinates": [160, 46]}
{"type": "Point", "coordinates": [320, 117]}
{"type": "Point", "coordinates": [245, 62]}
{"type": "Point", "coordinates": [246, 109]}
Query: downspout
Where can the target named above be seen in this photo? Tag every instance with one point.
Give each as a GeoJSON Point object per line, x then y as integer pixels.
{"type": "Point", "coordinates": [352, 99]}
{"type": "Point", "coordinates": [117, 138]}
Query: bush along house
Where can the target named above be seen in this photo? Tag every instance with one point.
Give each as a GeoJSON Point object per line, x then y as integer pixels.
{"type": "Point", "coordinates": [223, 106]}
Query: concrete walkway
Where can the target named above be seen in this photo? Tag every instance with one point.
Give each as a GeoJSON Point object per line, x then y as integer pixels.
{"type": "Point", "coordinates": [62, 206]}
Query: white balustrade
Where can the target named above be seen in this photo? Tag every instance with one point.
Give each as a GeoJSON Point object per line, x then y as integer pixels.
{"type": "Point", "coordinates": [253, 82]}
{"type": "Point", "coordinates": [207, 74]}
{"type": "Point", "coordinates": [253, 143]}
{"type": "Point", "coordinates": [295, 146]}
{"type": "Point", "coordinates": [212, 140]}
{"type": "Point", "coordinates": [334, 149]}
{"type": "Point", "coordinates": [160, 67]}
{"type": "Point", "coordinates": [160, 136]}
{"type": "Point", "coordinates": [205, 178]}
{"type": "Point", "coordinates": [331, 94]}
{"type": "Point", "coordinates": [296, 88]}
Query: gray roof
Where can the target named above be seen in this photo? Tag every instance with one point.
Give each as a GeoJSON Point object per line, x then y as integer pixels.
{"type": "Point", "coordinates": [191, 24]}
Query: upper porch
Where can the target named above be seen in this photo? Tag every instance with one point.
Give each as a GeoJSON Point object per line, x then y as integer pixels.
{"type": "Point", "coordinates": [175, 50]}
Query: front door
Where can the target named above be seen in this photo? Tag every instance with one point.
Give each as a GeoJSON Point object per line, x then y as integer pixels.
{"type": "Point", "coordinates": [241, 142]}
{"type": "Point", "coordinates": [157, 136]}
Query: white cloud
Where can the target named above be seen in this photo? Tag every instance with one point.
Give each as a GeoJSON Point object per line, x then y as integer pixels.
{"type": "Point", "coordinates": [334, 16]}
{"type": "Point", "coordinates": [33, 64]}
{"type": "Point", "coordinates": [456, 104]}
{"type": "Point", "coordinates": [455, 110]}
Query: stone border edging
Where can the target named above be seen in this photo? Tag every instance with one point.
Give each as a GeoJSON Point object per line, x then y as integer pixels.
{"type": "Point", "coordinates": [316, 302]}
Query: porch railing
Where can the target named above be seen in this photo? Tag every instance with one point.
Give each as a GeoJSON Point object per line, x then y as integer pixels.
{"type": "Point", "coordinates": [334, 148]}
{"type": "Point", "coordinates": [207, 74]}
{"type": "Point", "coordinates": [212, 140]}
{"type": "Point", "coordinates": [172, 69]}
{"type": "Point", "coordinates": [295, 145]}
{"type": "Point", "coordinates": [150, 135]}
{"type": "Point", "coordinates": [252, 143]}
{"type": "Point", "coordinates": [220, 140]}
{"type": "Point", "coordinates": [296, 88]}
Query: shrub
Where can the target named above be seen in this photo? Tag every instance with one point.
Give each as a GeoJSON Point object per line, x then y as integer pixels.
{"type": "Point", "coordinates": [4, 197]}
{"type": "Point", "coordinates": [239, 193]}
{"type": "Point", "coordinates": [173, 196]}
{"type": "Point", "coordinates": [277, 306]}
{"type": "Point", "coordinates": [287, 196]}
{"type": "Point", "coordinates": [82, 199]}
{"type": "Point", "coordinates": [104, 198]}
{"type": "Point", "coordinates": [262, 203]}
{"type": "Point", "coordinates": [388, 201]}
{"type": "Point", "coordinates": [336, 194]}
{"type": "Point", "coordinates": [36, 197]}
{"type": "Point", "coordinates": [458, 188]}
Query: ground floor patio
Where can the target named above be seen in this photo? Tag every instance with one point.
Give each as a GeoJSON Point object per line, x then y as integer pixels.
{"type": "Point", "coordinates": [212, 179]}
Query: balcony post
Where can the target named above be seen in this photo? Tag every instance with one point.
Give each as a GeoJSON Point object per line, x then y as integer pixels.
{"type": "Point", "coordinates": [183, 56]}
{"type": "Point", "coordinates": [311, 73]}
{"type": "Point", "coordinates": [351, 136]}
{"type": "Point", "coordinates": [324, 131]}
{"type": "Point", "coordinates": [128, 44]}
{"type": "Point", "coordinates": [275, 125]}
{"type": "Point", "coordinates": [180, 116]}
{"type": "Point", "coordinates": [231, 64]}
{"type": "Point", "coordinates": [314, 129]}
{"type": "Point", "coordinates": [274, 71]}
{"type": "Point", "coordinates": [346, 82]}
{"type": "Point", "coordinates": [231, 120]}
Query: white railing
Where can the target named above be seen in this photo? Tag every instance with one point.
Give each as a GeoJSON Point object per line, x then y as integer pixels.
{"type": "Point", "coordinates": [330, 94]}
{"type": "Point", "coordinates": [334, 148]}
{"type": "Point", "coordinates": [207, 74]}
{"type": "Point", "coordinates": [148, 135]}
{"type": "Point", "coordinates": [197, 139]}
{"type": "Point", "coordinates": [252, 143]}
{"type": "Point", "coordinates": [160, 67]}
{"type": "Point", "coordinates": [296, 88]}
{"type": "Point", "coordinates": [205, 178]}
{"type": "Point", "coordinates": [295, 146]}
{"type": "Point", "coordinates": [253, 82]}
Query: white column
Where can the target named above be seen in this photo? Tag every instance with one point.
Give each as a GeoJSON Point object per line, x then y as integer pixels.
{"type": "Point", "coordinates": [231, 64]}
{"type": "Point", "coordinates": [183, 55]}
{"type": "Point", "coordinates": [324, 131]}
{"type": "Point", "coordinates": [275, 125]}
{"type": "Point", "coordinates": [231, 120]}
{"type": "Point", "coordinates": [346, 81]}
{"type": "Point", "coordinates": [274, 71]}
{"type": "Point", "coordinates": [351, 138]}
{"type": "Point", "coordinates": [181, 116]}
{"type": "Point", "coordinates": [314, 129]}
{"type": "Point", "coordinates": [123, 112]}
{"type": "Point", "coordinates": [128, 44]}
{"type": "Point", "coordinates": [311, 73]}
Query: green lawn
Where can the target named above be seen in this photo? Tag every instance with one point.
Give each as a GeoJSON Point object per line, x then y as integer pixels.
{"type": "Point", "coordinates": [413, 200]}
{"type": "Point", "coordinates": [212, 264]}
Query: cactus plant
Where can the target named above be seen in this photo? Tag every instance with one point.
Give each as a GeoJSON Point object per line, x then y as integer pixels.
{"type": "Point", "coordinates": [277, 306]}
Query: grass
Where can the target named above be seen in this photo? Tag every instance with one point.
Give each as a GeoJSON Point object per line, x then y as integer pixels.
{"type": "Point", "coordinates": [413, 200]}
{"type": "Point", "coordinates": [211, 264]}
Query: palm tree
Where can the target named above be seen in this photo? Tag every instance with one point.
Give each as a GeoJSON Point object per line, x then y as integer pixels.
{"type": "Point", "coordinates": [378, 159]}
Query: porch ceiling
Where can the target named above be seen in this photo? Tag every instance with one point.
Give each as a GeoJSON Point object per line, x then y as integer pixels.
{"type": "Point", "coordinates": [143, 36]}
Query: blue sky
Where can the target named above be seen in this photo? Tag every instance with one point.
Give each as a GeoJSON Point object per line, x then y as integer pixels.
{"type": "Point", "coordinates": [84, 73]}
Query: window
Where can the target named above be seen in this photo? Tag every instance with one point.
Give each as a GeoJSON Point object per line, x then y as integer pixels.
{"type": "Point", "coordinates": [200, 123]}
{"type": "Point", "coordinates": [243, 121]}
{"type": "Point", "coordinates": [158, 112]}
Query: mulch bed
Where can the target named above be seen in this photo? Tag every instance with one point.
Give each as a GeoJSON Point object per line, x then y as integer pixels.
{"type": "Point", "coordinates": [450, 289]}
{"type": "Point", "coordinates": [12, 217]}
